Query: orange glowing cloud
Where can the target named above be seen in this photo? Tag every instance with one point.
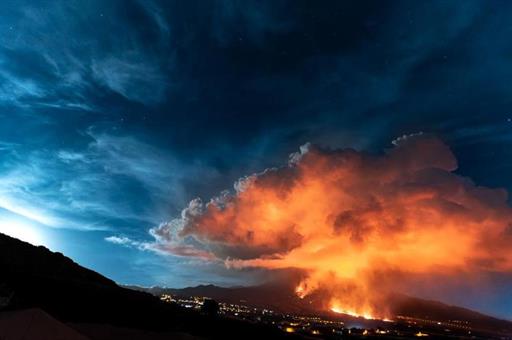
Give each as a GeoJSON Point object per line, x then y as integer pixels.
{"type": "Point", "coordinates": [341, 216]}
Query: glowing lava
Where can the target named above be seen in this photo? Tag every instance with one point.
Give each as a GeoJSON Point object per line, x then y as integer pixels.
{"type": "Point", "coordinates": [339, 310]}
{"type": "Point", "coordinates": [363, 314]}
{"type": "Point", "coordinates": [300, 291]}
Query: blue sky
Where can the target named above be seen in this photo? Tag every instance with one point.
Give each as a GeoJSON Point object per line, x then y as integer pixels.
{"type": "Point", "coordinates": [115, 114]}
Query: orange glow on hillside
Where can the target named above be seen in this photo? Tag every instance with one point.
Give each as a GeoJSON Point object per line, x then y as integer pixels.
{"type": "Point", "coordinates": [364, 315]}
{"type": "Point", "coordinates": [300, 291]}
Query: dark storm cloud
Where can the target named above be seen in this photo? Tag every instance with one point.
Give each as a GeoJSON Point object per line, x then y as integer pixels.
{"type": "Point", "coordinates": [342, 74]}
{"type": "Point", "coordinates": [308, 71]}
{"type": "Point", "coordinates": [65, 54]}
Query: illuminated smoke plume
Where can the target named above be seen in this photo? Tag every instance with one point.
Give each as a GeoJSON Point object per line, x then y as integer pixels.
{"type": "Point", "coordinates": [351, 221]}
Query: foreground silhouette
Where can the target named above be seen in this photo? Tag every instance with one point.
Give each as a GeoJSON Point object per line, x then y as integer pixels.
{"type": "Point", "coordinates": [55, 298]}
{"type": "Point", "coordinates": [63, 295]}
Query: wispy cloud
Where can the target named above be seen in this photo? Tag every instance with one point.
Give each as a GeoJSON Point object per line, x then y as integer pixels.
{"type": "Point", "coordinates": [122, 240]}
{"type": "Point", "coordinates": [47, 58]}
{"type": "Point", "coordinates": [110, 180]}
{"type": "Point", "coordinates": [161, 248]}
{"type": "Point", "coordinates": [137, 80]}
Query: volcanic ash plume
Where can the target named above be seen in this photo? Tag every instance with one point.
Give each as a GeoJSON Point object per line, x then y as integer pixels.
{"type": "Point", "coordinates": [351, 221]}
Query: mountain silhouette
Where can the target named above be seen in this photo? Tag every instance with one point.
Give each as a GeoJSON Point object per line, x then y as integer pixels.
{"type": "Point", "coordinates": [281, 297]}
{"type": "Point", "coordinates": [35, 281]}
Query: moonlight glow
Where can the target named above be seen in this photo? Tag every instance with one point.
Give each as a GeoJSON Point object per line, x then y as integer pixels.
{"type": "Point", "coordinates": [22, 231]}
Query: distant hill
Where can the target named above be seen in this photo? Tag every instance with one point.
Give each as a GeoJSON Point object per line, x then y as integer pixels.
{"type": "Point", "coordinates": [36, 279]}
{"type": "Point", "coordinates": [282, 298]}
{"type": "Point", "coordinates": [279, 297]}
{"type": "Point", "coordinates": [435, 310]}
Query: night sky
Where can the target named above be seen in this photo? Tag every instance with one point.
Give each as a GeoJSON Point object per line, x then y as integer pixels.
{"type": "Point", "coordinates": [115, 114]}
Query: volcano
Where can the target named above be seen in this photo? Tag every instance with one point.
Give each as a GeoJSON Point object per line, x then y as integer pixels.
{"type": "Point", "coordinates": [281, 297]}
